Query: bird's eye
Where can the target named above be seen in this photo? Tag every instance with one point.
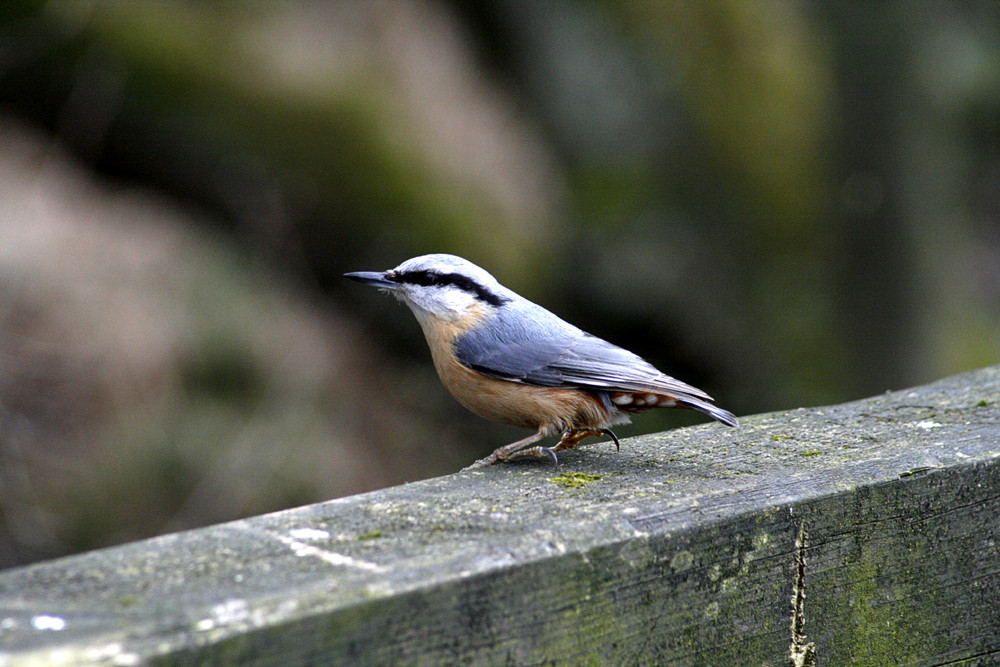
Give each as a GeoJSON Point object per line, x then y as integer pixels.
{"type": "Point", "coordinates": [428, 278]}
{"type": "Point", "coordinates": [422, 278]}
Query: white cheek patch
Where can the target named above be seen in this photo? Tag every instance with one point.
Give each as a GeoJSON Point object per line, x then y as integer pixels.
{"type": "Point", "coordinates": [442, 302]}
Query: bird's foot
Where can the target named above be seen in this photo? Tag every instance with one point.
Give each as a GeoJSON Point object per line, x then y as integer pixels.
{"type": "Point", "coordinates": [521, 450]}
{"type": "Point", "coordinates": [536, 452]}
{"type": "Point", "coordinates": [572, 438]}
{"type": "Point", "coordinates": [514, 451]}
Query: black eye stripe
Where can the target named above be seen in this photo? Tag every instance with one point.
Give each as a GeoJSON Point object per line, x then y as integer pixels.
{"type": "Point", "coordinates": [433, 278]}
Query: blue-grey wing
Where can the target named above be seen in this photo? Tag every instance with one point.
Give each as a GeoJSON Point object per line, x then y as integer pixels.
{"type": "Point", "coordinates": [523, 342]}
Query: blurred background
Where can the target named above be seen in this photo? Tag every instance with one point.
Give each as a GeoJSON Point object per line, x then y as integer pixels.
{"type": "Point", "coordinates": [784, 203]}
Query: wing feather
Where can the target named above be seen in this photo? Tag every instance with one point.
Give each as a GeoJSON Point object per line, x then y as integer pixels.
{"type": "Point", "coordinates": [524, 342]}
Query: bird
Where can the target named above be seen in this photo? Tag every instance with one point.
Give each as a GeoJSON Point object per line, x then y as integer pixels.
{"type": "Point", "coordinates": [509, 360]}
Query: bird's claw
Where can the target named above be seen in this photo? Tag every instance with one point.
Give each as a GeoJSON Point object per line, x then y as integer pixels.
{"type": "Point", "coordinates": [609, 432]}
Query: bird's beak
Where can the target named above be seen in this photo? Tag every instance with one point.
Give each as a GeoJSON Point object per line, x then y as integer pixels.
{"type": "Point", "coordinates": [373, 278]}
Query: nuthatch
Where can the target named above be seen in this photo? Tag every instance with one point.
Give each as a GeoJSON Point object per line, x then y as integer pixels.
{"type": "Point", "coordinates": [512, 361]}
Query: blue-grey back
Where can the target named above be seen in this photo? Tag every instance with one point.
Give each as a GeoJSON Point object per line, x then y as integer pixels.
{"type": "Point", "coordinates": [524, 342]}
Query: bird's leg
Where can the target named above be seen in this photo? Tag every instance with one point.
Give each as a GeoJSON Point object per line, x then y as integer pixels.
{"type": "Point", "coordinates": [507, 452]}
{"type": "Point", "coordinates": [572, 438]}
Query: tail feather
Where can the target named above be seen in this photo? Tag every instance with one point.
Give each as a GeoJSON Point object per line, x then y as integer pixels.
{"type": "Point", "coordinates": [713, 411]}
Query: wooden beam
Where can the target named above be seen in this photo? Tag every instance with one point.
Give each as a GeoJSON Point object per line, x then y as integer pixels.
{"type": "Point", "coordinates": [865, 534]}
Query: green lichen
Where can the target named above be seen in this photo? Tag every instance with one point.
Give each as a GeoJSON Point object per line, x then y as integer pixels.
{"type": "Point", "coordinates": [371, 535]}
{"type": "Point", "coordinates": [811, 452]}
{"type": "Point", "coordinates": [883, 618]}
{"type": "Point", "coordinates": [574, 480]}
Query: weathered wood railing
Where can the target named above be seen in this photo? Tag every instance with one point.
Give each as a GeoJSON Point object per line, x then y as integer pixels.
{"type": "Point", "coordinates": [689, 547]}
